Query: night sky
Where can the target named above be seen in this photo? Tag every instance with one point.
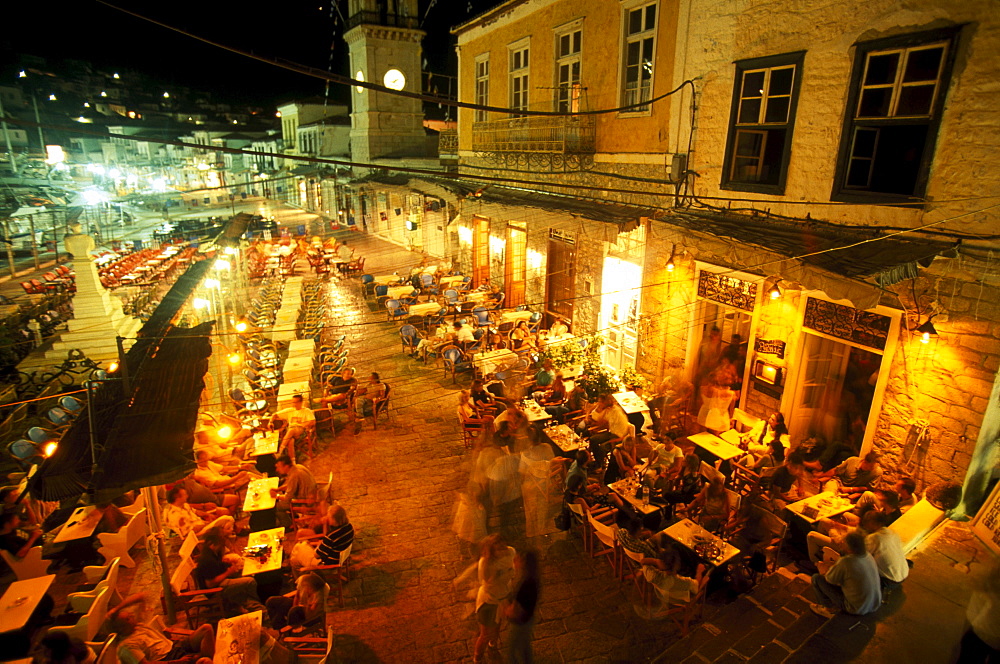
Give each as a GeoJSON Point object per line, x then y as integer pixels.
{"type": "Point", "coordinates": [296, 30]}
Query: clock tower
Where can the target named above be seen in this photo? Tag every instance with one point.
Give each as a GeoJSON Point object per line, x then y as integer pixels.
{"type": "Point", "coordinates": [384, 42]}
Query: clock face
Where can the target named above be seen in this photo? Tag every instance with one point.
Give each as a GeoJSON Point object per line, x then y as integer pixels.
{"type": "Point", "coordinates": [394, 79]}
{"type": "Point", "coordinates": [359, 76]}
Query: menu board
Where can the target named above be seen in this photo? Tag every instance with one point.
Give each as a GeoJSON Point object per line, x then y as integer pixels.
{"type": "Point", "coordinates": [986, 526]}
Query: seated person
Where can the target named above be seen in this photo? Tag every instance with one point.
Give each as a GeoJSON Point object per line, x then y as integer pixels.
{"type": "Point", "coordinates": [442, 336]}
{"type": "Point", "coordinates": [61, 648]}
{"type": "Point", "coordinates": [11, 501]}
{"type": "Point", "coordinates": [229, 450]}
{"type": "Point", "coordinates": [327, 551]}
{"type": "Point", "coordinates": [182, 518]}
{"type": "Point", "coordinates": [884, 501]}
{"type": "Point", "coordinates": [521, 337]}
{"type": "Point", "coordinates": [627, 532]}
{"type": "Point", "coordinates": [303, 608]}
{"type": "Point", "coordinates": [682, 488]}
{"type": "Point", "coordinates": [10, 539]}
{"type": "Point", "coordinates": [509, 426]}
{"type": "Point", "coordinates": [577, 484]}
{"type": "Point", "coordinates": [483, 400]}
{"type": "Point", "coordinates": [300, 422]}
{"type": "Point", "coordinates": [544, 377]}
{"type": "Point", "coordinates": [554, 398]}
{"type": "Point", "coordinates": [340, 392]}
{"type": "Point", "coordinates": [855, 475]}
{"type": "Point", "coordinates": [218, 569]}
{"type": "Point", "coordinates": [140, 643]}
{"type": "Point", "coordinates": [495, 297]}
{"type": "Point", "coordinates": [622, 460]}
{"type": "Point", "coordinates": [469, 414]}
{"type": "Point", "coordinates": [576, 400]}
{"type": "Point", "coordinates": [212, 475]}
{"type": "Point", "coordinates": [665, 456]}
{"type": "Point", "coordinates": [662, 572]}
{"type": "Point", "coordinates": [605, 423]}
{"type": "Point", "coordinates": [712, 505]}
{"type": "Point", "coordinates": [559, 327]}
{"type": "Point", "coordinates": [774, 458]}
{"type": "Point", "coordinates": [886, 547]}
{"type": "Point", "coordinates": [366, 396]}
{"type": "Point", "coordinates": [904, 489]}
{"type": "Point", "coordinates": [787, 483]}
{"type": "Point", "coordinates": [297, 484]}
{"type": "Point", "coordinates": [851, 584]}
{"type": "Point", "coordinates": [463, 333]}
{"type": "Point", "coordinates": [758, 440]}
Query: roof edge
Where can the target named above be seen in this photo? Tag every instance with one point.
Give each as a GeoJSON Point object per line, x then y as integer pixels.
{"type": "Point", "coordinates": [472, 22]}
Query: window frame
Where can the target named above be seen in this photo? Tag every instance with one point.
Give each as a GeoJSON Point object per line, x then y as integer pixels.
{"type": "Point", "coordinates": [521, 74]}
{"type": "Point", "coordinates": [840, 191]}
{"type": "Point", "coordinates": [572, 100]}
{"type": "Point", "coordinates": [626, 39]}
{"type": "Point", "coordinates": [482, 95]}
{"type": "Point", "coordinates": [768, 63]}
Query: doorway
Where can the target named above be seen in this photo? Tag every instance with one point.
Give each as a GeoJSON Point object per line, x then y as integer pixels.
{"type": "Point", "coordinates": [621, 287]}
{"type": "Point", "coordinates": [480, 250]}
{"type": "Point", "coordinates": [560, 281]}
{"type": "Point", "coordinates": [836, 388]}
{"type": "Point", "coordinates": [515, 265]}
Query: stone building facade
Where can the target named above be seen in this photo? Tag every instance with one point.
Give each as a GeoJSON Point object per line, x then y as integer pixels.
{"type": "Point", "coordinates": [820, 185]}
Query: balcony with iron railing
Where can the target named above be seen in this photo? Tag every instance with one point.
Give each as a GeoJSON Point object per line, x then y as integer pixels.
{"type": "Point", "coordinates": [535, 134]}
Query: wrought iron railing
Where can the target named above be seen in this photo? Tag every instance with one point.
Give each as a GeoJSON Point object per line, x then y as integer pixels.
{"type": "Point", "coordinates": [448, 143]}
{"type": "Point", "coordinates": [540, 134]}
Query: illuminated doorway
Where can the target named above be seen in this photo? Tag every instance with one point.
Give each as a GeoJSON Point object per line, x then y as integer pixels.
{"type": "Point", "coordinates": [480, 250]}
{"type": "Point", "coordinates": [515, 265]}
{"type": "Point", "coordinates": [620, 290]}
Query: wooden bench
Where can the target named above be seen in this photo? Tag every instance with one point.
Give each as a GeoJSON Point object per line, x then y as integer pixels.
{"type": "Point", "coordinates": [120, 543]}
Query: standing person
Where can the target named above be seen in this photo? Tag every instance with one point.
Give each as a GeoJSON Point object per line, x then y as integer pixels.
{"type": "Point", "coordinates": [981, 641]}
{"type": "Point", "coordinates": [367, 396]}
{"type": "Point", "coordinates": [520, 611]}
{"type": "Point", "coordinates": [851, 585]}
{"type": "Point", "coordinates": [495, 572]}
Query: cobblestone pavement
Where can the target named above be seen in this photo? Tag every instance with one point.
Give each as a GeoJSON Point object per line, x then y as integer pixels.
{"type": "Point", "coordinates": [398, 484]}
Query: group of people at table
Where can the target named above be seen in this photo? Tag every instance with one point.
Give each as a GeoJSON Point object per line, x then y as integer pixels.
{"type": "Point", "coordinates": [244, 494]}
{"type": "Point", "coordinates": [626, 451]}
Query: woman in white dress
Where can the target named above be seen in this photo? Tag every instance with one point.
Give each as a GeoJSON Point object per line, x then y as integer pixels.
{"type": "Point", "coordinates": [716, 399]}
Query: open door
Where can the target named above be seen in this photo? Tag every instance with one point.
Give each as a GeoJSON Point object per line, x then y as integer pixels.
{"type": "Point", "coordinates": [817, 410]}
{"type": "Point", "coordinates": [515, 265]}
{"type": "Point", "coordinates": [480, 250]}
{"type": "Point", "coordinates": [621, 287]}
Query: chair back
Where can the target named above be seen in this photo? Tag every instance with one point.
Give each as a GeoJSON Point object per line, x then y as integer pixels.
{"type": "Point", "coordinates": [181, 576]}
{"type": "Point", "coordinates": [603, 532]}
{"type": "Point", "coordinates": [708, 471]}
{"type": "Point", "coordinates": [734, 500]}
{"type": "Point", "coordinates": [482, 315]}
{"type": "Point", "coordinates": [189, 545]}
{"type": "Point", "coordinates": [70, 404]}
{"type": "Point", "coordinates": [40, 435]}
{"type": "Point", "coordinates": [381, 289]}
{"type": "Point", "coordinates": [426, 279]}
{"type": "Point", "coordinates": [367, 278]}
{"type": "Point", "coordinates": [22, 449]}
{"type": "Point", "coordinates": [109, 651]}
{"type": "Point", "coordinates": [383, 403]}
{"type": "Point", "coordinates": [345, 555]}
{"type": "Point", "coordinates": [58, 416]}
{"type": "Point", "coordinates": [452, 295]}
{"type": "Point", "coordinates": [408, 333]}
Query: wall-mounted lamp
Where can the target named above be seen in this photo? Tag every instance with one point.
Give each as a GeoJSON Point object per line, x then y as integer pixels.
{"type": "Point", "coordinates": [926, 330]}
{"type": "Point", "coordinates": [670, 261]}
{"type": "Point", "coordinates": [775, 292]}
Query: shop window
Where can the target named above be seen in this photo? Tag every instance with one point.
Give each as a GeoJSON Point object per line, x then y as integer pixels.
{"type": "Point", "coordinates": [897, 96]}
{"type": "Point", "coordinates": [761, 121]}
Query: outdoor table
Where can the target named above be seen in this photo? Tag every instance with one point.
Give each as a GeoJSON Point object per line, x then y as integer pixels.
{"type": "Point", "coordinates": [297, 369]}
{"type": "Point", "coordinates": [424, 309]}
{"type": "Point", "coordinates": [492, 361]}
{"type": "Point", "coordinates": [446, 282]}
{"type": "Point", "coordinates": [238, 639]}
{"type": "Point", "coordinates": [430, 269]}
{"type": "Point", "coordinates": [514, 316]}
{"type": "Point", "coordinates": [8, 310]}
{"type": "Point", "coordinates": [272, 538]}
{"type": "Point", "coordinates": [823, 505]}
{"type": "Point", "coordinates": [715, 445]}
{"type": "Point", "coordinates": [396, 292]}
{"type": "Point", "coordinates": [565, 439]}
{"type": "Point", "coordinates": [546, 339]}
{"type": "Point", "coordinates": [626, 488]}
{"type": "Point", "coordinates": [258, 496]}
{"type": "Point", "coordinates": [287, 390]}
{"type": "Point", "coordinates": [265, 443]}
{"type": "Point", "coordinates": [80, 524]}
{"type": "Point", "coordinates": [705, 545]}
{"type": "Point", "coordinates": [302, 348]}
{"type": "Point", "coordinates": [21, 600]}
{"type": "Point", "coordinates": [534, 412]}
{"type": "Point", "coordinates": [477, 296]}
{"type": "Point", "coordinates": [630, 402]}
{"type": "Point", "coordinates": [385, 279]}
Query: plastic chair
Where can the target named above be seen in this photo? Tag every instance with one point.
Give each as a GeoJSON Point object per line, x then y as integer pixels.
{"type": "Point", "coordinates": [71, 404]}
{"type": "Point", "coordinates": [455, 361]}
{"type": "Point", "coordinates": [40, 436]}
{"type": "Point", "coordinates": [452, 295]}
{"type": "Point", "coordinates": [59, 417]}
{"type": "Point", "coordinates": [482, 315]}
{"type": "Point", "coordinates": [394, 309]}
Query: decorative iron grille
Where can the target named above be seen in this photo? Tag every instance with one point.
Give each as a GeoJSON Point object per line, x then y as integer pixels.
{"type": "Point", "coordinates": [726, 290]}
{"type": "Point", "coordinates": [556, 135]}
{"type": "Point", "coordinates": [837, 320]}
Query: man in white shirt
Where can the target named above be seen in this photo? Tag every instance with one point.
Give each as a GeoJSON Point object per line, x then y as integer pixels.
{"type": "Point", "coordinates": [463, 333]}
{"type": "Point", "coordinates": [345, 253]}
{"type": "Point", "coordinates": [300, 422]}
{"type": "Point", "coordinates": [886, 548]}
{"type": "Point", "coordinates": [211, 476]}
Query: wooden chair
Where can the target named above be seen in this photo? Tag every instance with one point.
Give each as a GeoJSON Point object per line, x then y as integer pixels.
{"type": "Point", "coordinates": [744, 481]}
{"type": "Point", "coordinates": [89, 623]}
{"type": "Point", "coordinates": [381, 405]}
{"type": "Point", "coordinates": [603, 541]}
{"type": "Point", "coordinates": [472, 431]}
{"type": "Point", "coordinates": [30, 567]}
{"type": "Point", "coordinates": [197, 604]}
{"type": "Point", "coordinates": [683, 614]}
{"type": "Point", "coordinates": [340, 572]}
{"type": "Point", "coordinates": [310, 646]}
{"type": "Point", "coordinates": [120, 543]}
{"type": "Point", "coordinates": [631, 568]}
